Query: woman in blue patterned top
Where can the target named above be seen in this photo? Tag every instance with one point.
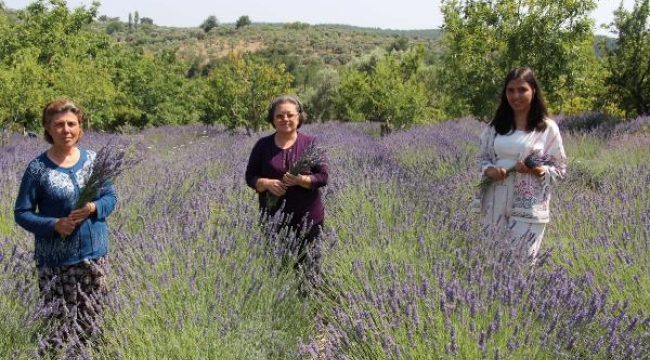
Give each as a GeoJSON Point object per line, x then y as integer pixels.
{"type": "Point", "coordinates": [70, 244]}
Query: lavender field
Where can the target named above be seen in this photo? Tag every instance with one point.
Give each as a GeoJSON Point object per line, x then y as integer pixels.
{"type": "Point", "coordinates": [405, 273]}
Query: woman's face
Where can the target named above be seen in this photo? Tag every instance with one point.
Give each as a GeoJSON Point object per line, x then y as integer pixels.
{"type": "Point", "coordinates": [64, 129]}
{"type": "Point", "coordinates": [520, 96]}
{"type": "Point", "coordinates": [286, 118]}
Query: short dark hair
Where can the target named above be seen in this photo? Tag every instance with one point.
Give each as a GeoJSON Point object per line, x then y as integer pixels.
{"type": "Point", "coordinates": [56, 107]}
{"type": "Point", "coordinates": [504, 118]}
{"type": "Point", "coordinates": [302, 115]}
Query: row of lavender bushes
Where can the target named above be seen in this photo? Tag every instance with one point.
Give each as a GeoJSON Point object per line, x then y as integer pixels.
{"type": "Point", "coordinates": [404, 274]}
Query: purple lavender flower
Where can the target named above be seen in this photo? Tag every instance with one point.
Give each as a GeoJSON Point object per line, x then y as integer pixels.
{"type": "Point", "coordinates": [108, 165]}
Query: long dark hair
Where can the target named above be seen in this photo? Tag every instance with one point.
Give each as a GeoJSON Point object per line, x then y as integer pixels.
{"type": "Point", "coordinates": [504, 118]}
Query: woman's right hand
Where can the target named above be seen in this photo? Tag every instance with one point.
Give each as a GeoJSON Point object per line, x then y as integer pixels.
{"type": "Point", "coordinates": [275, 187]}
{"type": "Point", "coordinates": [496, 173]}
{"type": "Point", "coordinates": [64, 226]}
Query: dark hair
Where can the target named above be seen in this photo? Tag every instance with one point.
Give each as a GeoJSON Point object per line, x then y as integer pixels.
{"type": "Point", "coordinates": [302, 115]}
{"type": "Point", "coordinates": [56, 107]}
{"type": "Point", "coordinates": [504, 118]}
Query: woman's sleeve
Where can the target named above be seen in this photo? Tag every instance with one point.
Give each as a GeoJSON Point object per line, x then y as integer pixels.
{"type": "Point", "coordinates": [25, 209]}
{"type": "Point", "coordinates": [253, 169]}
{"type": "Point", "coordinates": [106, 201]}
{"type": "Point", "coordinates": [554, 148]}
{"type": "Point", "coordinates": [319, 175]}
{"type": "Point", "coordinates": [486, 155]}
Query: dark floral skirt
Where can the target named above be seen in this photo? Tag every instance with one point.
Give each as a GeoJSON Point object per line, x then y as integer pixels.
{"type": "Point", "coordinates": [74, 298]}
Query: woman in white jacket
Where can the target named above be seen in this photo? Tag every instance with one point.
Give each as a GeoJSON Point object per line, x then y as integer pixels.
{"type": "Point", "coordinates": [515, 206]}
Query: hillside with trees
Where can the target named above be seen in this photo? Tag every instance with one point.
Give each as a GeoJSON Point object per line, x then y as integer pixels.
{"type": "Point", "coordinates": [134, 74]}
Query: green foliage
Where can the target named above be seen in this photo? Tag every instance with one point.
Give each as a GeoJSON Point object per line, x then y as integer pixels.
{"type": "Point", "coordinates": [243, 20]}
{"type": "Point", "coordinates": [321, 97]}
{"type": "Point", "coordinates": [628, 80]}
{"type": "Point", "coordinates": [21, 83]}
{"type": "Point", "coordinates": [239, 91]}
{"type": "Point", "coordinates": [51, 51]}
{"type": "Point", "coordinates": [484, 40]}
{"type": "Point", "coordinates": [385, 89]}
{"type": "Point", "coordinates": [210, 23]}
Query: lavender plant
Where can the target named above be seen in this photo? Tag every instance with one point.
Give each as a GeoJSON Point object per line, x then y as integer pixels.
{"type": "Point", "coordinates": [406, 275]}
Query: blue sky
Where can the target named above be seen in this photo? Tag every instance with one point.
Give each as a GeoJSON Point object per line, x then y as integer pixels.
{"type": "Point", "coordinates": [403, 14]}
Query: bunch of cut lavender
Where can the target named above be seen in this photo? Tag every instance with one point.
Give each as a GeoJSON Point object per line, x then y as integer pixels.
{"type": "Point", "coordinates": [108, 165]}
{"type": "Point", "coordinates": [535, 159]}
{"type": "Point", "coordinates": [312, 156]}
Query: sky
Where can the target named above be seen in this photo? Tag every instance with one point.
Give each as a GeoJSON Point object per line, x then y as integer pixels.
{"type": "Point", "coordinates": [385, 14]}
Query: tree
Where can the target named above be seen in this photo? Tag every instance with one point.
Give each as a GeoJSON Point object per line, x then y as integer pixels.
{"type": "Point", "coordinates": [242, 21]}
{"type": "Point", "coordinates": [114, 27]}
{"type": "Point", "coordinates": [240, 90]}
{"type": "Point", "coordinates": [54, 52]}
{"type": "Point", "coordinates": [388, 90]}
{"type": "Point", "coordinates": [627, 63]}
{"type": "Point", "coordinates": [136, 20]}
{"type": "Point", "coordinates": [320, 97]}
{"type": "Point", "coordinates": [210, 23]}
{"type": "Point", "coordinates": [484, 39]}
{"type": "Point", "coordinates": [22, 85]}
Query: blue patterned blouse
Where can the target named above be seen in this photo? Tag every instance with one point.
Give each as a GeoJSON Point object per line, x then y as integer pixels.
{"type": "Point", "coordinates": [48, 192]}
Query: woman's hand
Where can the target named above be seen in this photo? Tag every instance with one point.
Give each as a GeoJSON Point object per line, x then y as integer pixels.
{"type": "Point", "coordinates": [300, 180]}
{"type": "Point", "coordinates": [538, 171]}
{"type": "Point", "coordinates": [80, 215]}
{"type": "Point", "coordinates": [64, 226]}
{"type": "Point", "coordinates": [275, 187]}
{"type": "Point", "coordinates": [496, 173]}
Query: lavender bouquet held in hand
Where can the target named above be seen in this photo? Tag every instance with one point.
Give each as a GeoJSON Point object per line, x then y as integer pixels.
{"type": "Point", "coordinates": [312, 156]}
{"type": "Point", "coordinates": [108, 165]}
{"type": "Point", "coordinates": [535, 159]}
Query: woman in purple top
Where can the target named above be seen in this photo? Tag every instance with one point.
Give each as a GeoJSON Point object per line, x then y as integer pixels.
{"type": "Point", "coordinates": [300, 201]}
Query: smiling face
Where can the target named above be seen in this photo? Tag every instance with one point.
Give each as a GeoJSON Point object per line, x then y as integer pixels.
{"type": "Point", "coordinates": [286, 118]}
{"type": "Point", "coordinates": [65, 130]}
{"type": "Point", "coordinates": [520, 96]}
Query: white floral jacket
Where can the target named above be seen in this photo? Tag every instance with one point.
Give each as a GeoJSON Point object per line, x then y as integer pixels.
{"type": "Point", "coordinates": [531, 194]}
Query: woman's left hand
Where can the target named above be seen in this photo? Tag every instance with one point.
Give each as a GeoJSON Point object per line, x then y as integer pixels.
{"type": "Point", "coordinates": [78, 216]}
{"type": "Point", "coordinates": [300, 180]}
{"type": "Point", "coordinates": [520, 167]}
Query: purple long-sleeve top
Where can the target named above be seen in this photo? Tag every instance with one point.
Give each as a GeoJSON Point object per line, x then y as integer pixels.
{"type": "Point", "coordinates": [269, 161]}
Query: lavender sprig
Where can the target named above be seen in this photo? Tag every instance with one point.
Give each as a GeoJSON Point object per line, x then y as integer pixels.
{"type": "Point", "coordinates": [312, 156]}
{"type": "Point", "coordinates": [535, 159]}
{"type": "Point", "coordinates": [109, 163]}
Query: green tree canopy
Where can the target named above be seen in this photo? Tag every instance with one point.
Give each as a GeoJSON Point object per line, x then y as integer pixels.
{"type": "Point", "coordinates": [210, 23]}
{"type": "Point", "coordinates": [628, 62]}
{"type": "Point", "coordinates": [243, 20]}
{"type": "Point", "coordinates": [485, 39]}
{"type": "Point", "coordinates": [240, 90]}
